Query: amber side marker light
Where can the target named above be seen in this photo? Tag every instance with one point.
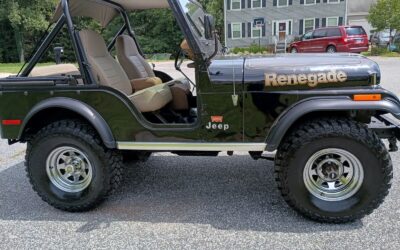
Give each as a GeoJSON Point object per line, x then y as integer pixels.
{"type": "Point", "coordinates": [367, 97]}
{"type": "Point", "coordinates": [11, 122]}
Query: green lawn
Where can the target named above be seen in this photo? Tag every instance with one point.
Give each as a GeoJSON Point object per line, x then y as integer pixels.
{"type": "Point", "coordinates": [386, 54]}
{"type": "Point", "coordinates": [15, 67]}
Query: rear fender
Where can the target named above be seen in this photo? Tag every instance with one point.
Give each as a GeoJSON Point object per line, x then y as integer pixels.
{"type": "Point", "coordinates": [80, 108]}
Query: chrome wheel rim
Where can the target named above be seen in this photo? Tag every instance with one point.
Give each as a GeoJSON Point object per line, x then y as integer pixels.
{"type": "Point", "coordinates": [69, 169]}
{"type": "Point", "coordinates": [333, 174]}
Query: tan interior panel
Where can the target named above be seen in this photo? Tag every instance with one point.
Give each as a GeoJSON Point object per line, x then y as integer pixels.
{"type": "Point", "coordinates": [55, 70]}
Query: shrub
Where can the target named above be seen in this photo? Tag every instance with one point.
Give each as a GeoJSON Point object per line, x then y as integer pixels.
{"type": "Point", "coordinates": [252, 49]}
{"type": "Point", "coordinates": [381, 51]}
{"type": "Point", "coordinates": [377, 51]}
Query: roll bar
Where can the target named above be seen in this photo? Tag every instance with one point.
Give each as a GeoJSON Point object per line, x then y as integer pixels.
{"type": "Point", "coordinates": [80, 54]}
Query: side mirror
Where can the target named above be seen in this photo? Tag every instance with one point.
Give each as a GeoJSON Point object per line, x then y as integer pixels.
{"type": "Point", "coordinates": [209, 27]}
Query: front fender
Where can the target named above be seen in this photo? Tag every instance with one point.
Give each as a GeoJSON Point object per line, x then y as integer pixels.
{"type": "Point", "coordinates": [295, 112]}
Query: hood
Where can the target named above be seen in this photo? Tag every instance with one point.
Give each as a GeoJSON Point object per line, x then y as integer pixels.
{"type": "Point", "coordinates": [226, 69]}
{"type": "Point", "coordinates": [297, 71]}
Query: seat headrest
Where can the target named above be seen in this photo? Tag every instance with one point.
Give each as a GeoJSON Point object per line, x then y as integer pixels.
{"type": "Point", "coordinates": [126, 44]}
{"type": "Point", "coordinates": [94, 43]}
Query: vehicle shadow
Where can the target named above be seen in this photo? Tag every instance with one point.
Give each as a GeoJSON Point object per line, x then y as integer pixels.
{"type": "Point", "coordinates": [228, 193]}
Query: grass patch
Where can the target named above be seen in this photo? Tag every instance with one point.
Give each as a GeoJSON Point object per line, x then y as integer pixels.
{"type": "Point", "coordinates": [15, 67]}
{"type": "Point", "coordinates": [376, 51]}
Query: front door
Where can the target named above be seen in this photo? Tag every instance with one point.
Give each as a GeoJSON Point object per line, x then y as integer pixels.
{"type": "Point", "coordinates": [282, 31]}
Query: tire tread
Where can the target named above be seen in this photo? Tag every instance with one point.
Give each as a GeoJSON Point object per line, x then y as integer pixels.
{"type": "Point", "coordinates": [331, 127]}
{"type": "Point", "coordinates": [85, 133]}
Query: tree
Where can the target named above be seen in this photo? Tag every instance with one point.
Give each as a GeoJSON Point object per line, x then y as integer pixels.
{"type": "Point", "coordinates": [156, 36]}
{"type": "Point", "coordinates": [216, 8]}
{"type": "Point", "coordinates": [385, 14]}
{"type": "Point", "coordinates": [26, 18]}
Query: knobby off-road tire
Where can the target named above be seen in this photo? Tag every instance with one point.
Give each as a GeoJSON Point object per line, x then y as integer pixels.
{"type": "Point", "coordinates": [342, 141]}
{"type": "Point", "coordinates": [69, 167]}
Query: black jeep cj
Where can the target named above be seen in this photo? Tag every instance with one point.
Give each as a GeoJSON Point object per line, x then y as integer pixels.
{"type": "Point", "coordinates": [324, 115]}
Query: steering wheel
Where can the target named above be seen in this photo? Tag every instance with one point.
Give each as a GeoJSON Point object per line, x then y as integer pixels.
{"type": "Point", "coordinates": [184, 52]}
{"type": "Point", "coordinates": [180, 57]}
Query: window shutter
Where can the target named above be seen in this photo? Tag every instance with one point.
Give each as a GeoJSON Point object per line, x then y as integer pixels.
{"type": "Point", "coordinates": [243, 30]}
{"type": "Point", "coordinates": [340, 21]}
{"type": "Point", "coordinates": [301, 26]}
{"type": "Point", "coordinates": [248, 29]}
{"type": "Point", "coordinates": [316, 23]}
{"type": "Point", "coordinates": [229, 30]}
{"type": "Point", "coordinates": [318, 1]}
{"type": "Point", "coordinates": [290, 2]}
{"type": "Point", "coordinates": [323, 22]}
{"type": "Point", "coordinates": [275, 3]}
{"type": "Point", "coordinates": [301, 1]}
{"type": "Point", "coordinates": [264, 3]}
{"type": "Point", "coordinates": [264, 29]}
{"type": "Point", "coordinates": [274, 33]}
{"type": "Point", "coordinates": [290, 27]}
{"type": "Point", "coordinates": [243, 4]}
{"type": "Point", "coordinates": [249, 4]}
{"type": "Point", "coordinates": [325, 1]}
{"type": "Point", "coordinates": [228, 4]}
{"type": "Point", "coordinates": [341, 0]}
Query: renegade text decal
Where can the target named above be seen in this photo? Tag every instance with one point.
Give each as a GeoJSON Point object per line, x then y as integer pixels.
{"type": "Point", "coordinates": [217, 123]}
{"type": "Point", "coordinates": [311, 79]}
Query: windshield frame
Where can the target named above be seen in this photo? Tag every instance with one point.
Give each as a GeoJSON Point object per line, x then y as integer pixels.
{"type": "Point", "coordinates": [201, 47]}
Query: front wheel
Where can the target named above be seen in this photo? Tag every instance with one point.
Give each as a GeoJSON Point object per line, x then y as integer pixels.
{"type": "Point", "coordinates": [333, 170]}
{"type": "Point", "coordinates": [69, 167]}
{"type": "Point", "coordinates": [293, 51]}
{"type": "Point", "coordinates": [331, 49]}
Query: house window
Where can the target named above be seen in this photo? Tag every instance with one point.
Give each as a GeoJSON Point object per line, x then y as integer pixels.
{"type": "Point", "coordinates": [309, 24]}
{"type": "Point", "coordinates": [309, 2]}
{"type": "Point", "coordinates": [256, 4]}
{"type": "Point", "coordinates": [333, 1]}
{"type": "Point", "coordinates": [332, 21]}
{"type": "Point", "coordinates": [236, 4]}
{"type": "Point", "coordinates": [283, 3]}
{"type": "Point", "coordinates": [236, 30]}
{"type": "Point", "coordinates": [256, 32]}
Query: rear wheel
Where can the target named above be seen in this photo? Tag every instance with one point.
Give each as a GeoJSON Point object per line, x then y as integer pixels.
{"type": "Point", "coordinates": [333, 170]}
{"type": "Point", "coordinates": [69, 167]}
{"type": "Point", "coordinates": [331, 49]}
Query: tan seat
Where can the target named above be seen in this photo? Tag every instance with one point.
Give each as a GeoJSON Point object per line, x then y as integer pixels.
{"type": "Point", "coordinates": [135, 66]}
{"type": "Point", "coordinates": [108, 72]}
{"type": "Point", "coordinates": [142, 76]}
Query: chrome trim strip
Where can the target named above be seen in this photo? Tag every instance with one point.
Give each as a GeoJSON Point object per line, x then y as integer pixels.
{"type": "Point", "coordinates": [190, 146]}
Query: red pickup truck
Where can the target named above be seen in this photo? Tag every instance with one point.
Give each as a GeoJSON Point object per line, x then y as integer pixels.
{"type": "Point", "coordinates": [351, 39]}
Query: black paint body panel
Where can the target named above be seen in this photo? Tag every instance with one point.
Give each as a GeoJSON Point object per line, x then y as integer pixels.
{"type": "Point", "coordinates": [258, 112]}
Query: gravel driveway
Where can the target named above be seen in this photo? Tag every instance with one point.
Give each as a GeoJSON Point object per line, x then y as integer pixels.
{"type": "Point", "coordinates": [189, 202]}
